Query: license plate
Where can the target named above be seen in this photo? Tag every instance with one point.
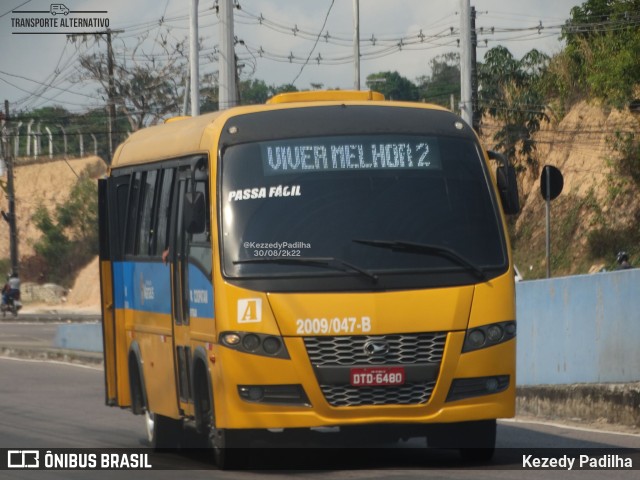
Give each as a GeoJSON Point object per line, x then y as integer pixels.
{"type": "Point", "coordinates": [377, 376]}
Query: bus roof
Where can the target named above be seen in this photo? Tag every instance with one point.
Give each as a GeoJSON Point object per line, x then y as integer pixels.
{"type": "Point", "coordinates": [327, 96]}
{"type": "Point", "coordinates": [173, 139]}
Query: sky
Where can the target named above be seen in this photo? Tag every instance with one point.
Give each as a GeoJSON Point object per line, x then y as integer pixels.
{"type": "Point", "coordinates": [39, 64]}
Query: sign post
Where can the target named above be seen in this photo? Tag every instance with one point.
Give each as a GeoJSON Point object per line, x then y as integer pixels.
{"type": "Point", "coordinates": [551, 183]}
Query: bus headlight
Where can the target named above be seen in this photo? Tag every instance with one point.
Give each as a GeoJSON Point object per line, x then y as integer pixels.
{"type": "Point", "coordinates": [489, 335]}
{"type": "Point", "coordinates": [230, 339]}
{"type": "Point", "coordinates": [272, 345]}
{"type": "Point", "coordinates": [476, 338]}
{"type": "Point", "coordinates": [255, 343]}
{"type": "Point", "coordinates": [250, 342]}
{"type": "Point", "coordinates": [494, 333]}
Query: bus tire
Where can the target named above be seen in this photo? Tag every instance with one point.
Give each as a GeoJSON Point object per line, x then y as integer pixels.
{"type": "Point", "coordinates": [227, 446]}
{"type": "Point", "coordinates": [475, 440]}
{"type": "Point", "coordinates": [482, 441]}
{"type": "Point", "coordinates": [162, 432]}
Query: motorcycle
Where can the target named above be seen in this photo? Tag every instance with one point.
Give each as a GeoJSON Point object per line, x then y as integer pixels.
{"type": "Point", "coordinates": [12, 306]}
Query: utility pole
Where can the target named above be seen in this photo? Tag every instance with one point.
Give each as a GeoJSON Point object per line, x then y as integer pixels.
{"type": "Point", "coordinates": [356, 43]}
{"type": "Point", "coordinates": [112, 96]}
{"type": "Point", "coordinates": [465, 62]}
{"type": "Point", "coordinates": [227, 59]}
{"type": "Point", "coordinates": [475, 111]}
{"type": "Point", "coordinates": [194, 65]}
{"type": "Point", "coordinates": [10, 217]}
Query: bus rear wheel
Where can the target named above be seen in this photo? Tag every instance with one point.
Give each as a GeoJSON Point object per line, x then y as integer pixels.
{"type": "Point", "coordinates": [162, 432]}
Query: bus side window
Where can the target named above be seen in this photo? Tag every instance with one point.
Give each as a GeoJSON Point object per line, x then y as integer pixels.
{"type": "Point", "coordinates": [145, 234]}
{"type": "Point", "coordinates": [200, 243]}
{"type": "Point", "coordinates": [161, 239]}
{"type": "Point", "coordinates": [120, 198]}
{"type": "Point", "coordinates": [132, 210]}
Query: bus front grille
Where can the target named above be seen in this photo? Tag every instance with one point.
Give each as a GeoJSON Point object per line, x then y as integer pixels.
{"type": "Point", "coordinates": [332, 358]}
{"type": "Point", "coordinates": [348, 396]}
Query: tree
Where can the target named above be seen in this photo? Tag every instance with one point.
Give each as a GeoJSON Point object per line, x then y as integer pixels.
{"type": "Point", "coordinates": [148, 86]}
{"type": "Point", "coordinates": [285, 88]}
{"type": "Point", "coordinates": [393, 86]}
{"type": "Point", "coordinates": [444, 80]}
{"type": "Point", "coordinates": [510, 91]}
{"type": "Point", "coordinates": [69, 237]}
{"type": "Point", "coordinates": [253, 92]}
{"type": "Point", "coordinates": [603, 41]}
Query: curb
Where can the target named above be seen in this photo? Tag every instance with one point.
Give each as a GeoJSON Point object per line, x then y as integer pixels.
{"type": "Point", "coordinates": [55, 354]}
{"type": "Point", "coordinates": [52, 317]}
{"type": "Point", "coordinates": [614, 404]}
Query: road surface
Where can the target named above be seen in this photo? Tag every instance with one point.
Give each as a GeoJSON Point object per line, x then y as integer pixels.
{"type": "Point", "coordinates": [58, 405]}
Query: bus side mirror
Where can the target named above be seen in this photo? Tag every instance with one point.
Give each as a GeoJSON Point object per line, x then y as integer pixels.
{"type": "Point", "coordinates": [194, 212]}
{"type": "Point", "coordinates": [507, 183]}
{"type": "Point", "coordinates": [508, 188]}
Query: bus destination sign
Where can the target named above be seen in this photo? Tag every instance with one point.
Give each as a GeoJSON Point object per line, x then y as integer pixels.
{"type": "Point", "coordinates": [307, 155]}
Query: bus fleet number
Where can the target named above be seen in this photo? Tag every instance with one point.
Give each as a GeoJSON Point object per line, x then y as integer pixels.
{"type": "Point", "coordinates": [316, 326]}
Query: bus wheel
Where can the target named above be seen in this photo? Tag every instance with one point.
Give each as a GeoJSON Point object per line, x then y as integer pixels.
{"type": "Point", "coordinates": [482, 441]}
{"type": "Point", "coordinates": [475, 441]}
{"type": "Point", "coordinates": [162, 432]}
{"type": "Point", "coordinates": [227, 447]}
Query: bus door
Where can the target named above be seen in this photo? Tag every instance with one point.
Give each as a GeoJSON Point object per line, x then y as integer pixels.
{"type": "Point", "coordinates": [106, 290]}
{"type": "Point", "coordinates": [112, 202]}
{"type": "Point", "coordinates": [190, 209]}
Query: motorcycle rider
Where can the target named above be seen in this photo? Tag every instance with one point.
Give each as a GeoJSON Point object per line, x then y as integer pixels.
{"type": "Point", "coordinates": [623, 260]}
{"type": "Point", "coordinates": [11, 289]}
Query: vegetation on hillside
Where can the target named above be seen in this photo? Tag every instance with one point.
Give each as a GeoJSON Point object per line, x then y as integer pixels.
{"type": "Point", "coordinates": [69, 237]}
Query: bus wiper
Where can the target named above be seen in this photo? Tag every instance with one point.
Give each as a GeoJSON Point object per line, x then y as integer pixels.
{"type": "Point", "coordinates": [325, 262]}
{"type": "Point", "coordinates": [416, 247]}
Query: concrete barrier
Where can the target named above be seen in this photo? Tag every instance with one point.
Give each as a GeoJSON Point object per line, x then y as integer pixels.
{"type": "Point", "coordinates": [579, 329]}
{"type": "Point", "coordinates": [79, 336]}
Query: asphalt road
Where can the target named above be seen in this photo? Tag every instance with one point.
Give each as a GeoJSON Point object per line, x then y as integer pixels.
{"type": "Point", "coordinates": [58, 405]}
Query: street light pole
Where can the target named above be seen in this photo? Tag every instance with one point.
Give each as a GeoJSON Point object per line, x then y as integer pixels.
{"type": "Point", "coordinates": [194, 66]}
{"type": "Point", "coordinates": [10, 217]}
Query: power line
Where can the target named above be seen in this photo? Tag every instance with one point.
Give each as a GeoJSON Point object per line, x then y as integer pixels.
{"type": "Point", "coordinates": [315, 44]}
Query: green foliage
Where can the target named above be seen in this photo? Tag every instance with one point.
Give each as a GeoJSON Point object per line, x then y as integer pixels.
{"type": "Point", "coordinates": [444, 80]}
{"type": "Point", "coordinates": [69, 237]}
{"type": "Point", "coordinates": [627, 145]}
{"type": "Point", "coordinates": [251, 92]}
{"type": "Point", "coordinates": [511, 91]}
{"type": "Point", "coordinates": [254, 92]}
{"type": "Point", "coordinates": [603, 41]}
{"type": "Point", "coordinates": [393, 86]}
{"type": "Point", "coordinates": [5, 266]}
{"type": "Point", "coordinates": [605, 242]}
{"type": "Point", "coordinates": [568, 232]}
{"type": "Point", "coordinates": [53, 246]}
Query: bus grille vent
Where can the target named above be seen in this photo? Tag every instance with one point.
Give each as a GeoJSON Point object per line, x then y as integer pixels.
{"type": "Point", "coordinates": [350, 350]}
{"type": "Point", "coordinates": [348, 396]}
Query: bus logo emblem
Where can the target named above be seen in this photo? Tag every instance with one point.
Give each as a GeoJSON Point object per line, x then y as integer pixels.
{"type": "Point", "coordinates": [249, 310]}
{"type": "Point", "coordinates": [376, 348]}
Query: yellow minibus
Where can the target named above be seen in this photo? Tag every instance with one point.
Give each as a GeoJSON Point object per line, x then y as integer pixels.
{"type": "Point", "coordinates": [328, 259]}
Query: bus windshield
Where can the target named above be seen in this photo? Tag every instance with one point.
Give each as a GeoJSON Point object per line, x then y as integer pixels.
{"type": "Point", "coordinates": [370, 211]}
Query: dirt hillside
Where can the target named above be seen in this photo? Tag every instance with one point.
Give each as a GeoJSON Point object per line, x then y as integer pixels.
{"type": "Point", "coordinates": [49, 183]}
{"type": "Point", "coordinates": [595, 195]}
{"type": "Point", "coordinates": [40, 184]}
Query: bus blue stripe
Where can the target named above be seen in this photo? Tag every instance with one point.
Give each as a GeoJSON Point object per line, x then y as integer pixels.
{"type": "Point", "coordinates": [146, 286]}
